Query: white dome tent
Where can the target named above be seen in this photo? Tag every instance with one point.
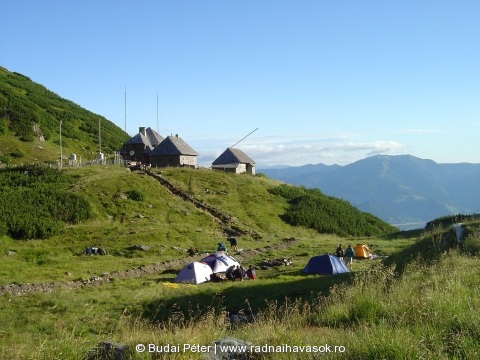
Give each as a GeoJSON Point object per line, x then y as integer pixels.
{"type": "Point", "coordinates": [194, 273]}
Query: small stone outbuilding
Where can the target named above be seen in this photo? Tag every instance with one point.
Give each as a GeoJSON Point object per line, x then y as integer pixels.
{"type": "Point", "coordinates": [234, 160]}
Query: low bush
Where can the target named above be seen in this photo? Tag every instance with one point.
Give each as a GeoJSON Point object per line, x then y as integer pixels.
{"type": "Point", "coordinates": [135, 195]}
{"type": "Point", "coordinates": [42, 205]}
{"type": "Point", "coordinates": [312, 209]}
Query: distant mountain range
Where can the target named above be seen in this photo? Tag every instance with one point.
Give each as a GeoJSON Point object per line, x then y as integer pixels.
{"type": "Point", "coordinates": [403, 190]}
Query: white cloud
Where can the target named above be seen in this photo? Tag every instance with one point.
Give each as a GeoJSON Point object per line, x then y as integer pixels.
{"type": "Point", "coordinates": [372, 148]}
{"type": "Point", "coordinates": [288, 150]}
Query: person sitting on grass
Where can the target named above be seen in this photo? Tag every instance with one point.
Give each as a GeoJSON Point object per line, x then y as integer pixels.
{"type": "Point", "coordinates": [238, 273]}
{"type": "Point", "coordinates": [229, 272]}
{"type": "Point", "coordinates": [251, 274]}
{"type": "Point", "coordinates": [221, 247]}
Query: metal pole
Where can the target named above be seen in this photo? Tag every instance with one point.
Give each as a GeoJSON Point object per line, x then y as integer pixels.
{"type": "Point", "coordinates": [245, 137]}
{"type": "Point", "coordinates": [125, 153]}
{"type": "Point", "coordinates": [61, 153]}
{"type": "Point", "coordinates": [99, 137]}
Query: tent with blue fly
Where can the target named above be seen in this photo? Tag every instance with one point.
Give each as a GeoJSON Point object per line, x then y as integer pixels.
{"type": "Point", "coordinates": [325, 265]}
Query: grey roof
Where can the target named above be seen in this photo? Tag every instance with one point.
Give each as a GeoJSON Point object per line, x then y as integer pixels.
{"type": "Point", "coordinates": [173, 145]}
{"type": "Point", "coordinates": [137, 139]}
{"type": "Point", "coordinates": [150, 141]}
{"type": "Point", "coordinates": [154, 137]}
{"type": "Point", "coordinates": [233, 156]}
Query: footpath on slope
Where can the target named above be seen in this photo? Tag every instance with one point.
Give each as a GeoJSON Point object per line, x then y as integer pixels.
{"type": "Point", "coordinates": [105, 278]}
{"type": "Point", "coordinates": [230, 224]}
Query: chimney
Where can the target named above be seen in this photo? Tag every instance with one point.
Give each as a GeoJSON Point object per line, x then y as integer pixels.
{"type": "Point", "coordinates": [142, 130]}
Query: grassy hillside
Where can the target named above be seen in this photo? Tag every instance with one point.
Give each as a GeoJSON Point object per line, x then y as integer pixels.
{"type": "Point", "coordinates": [109, 216]}
{"type": "Point", "coordinates": [128, 296]}
{"type": "Point", "coordinates": [165, 222]}
{"type": "Point", "coordinates": [30, 118]}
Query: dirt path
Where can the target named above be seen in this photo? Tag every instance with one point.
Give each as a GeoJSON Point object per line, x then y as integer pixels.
{"type": "Point", "coordinates": [27, 288]}
{"type": "Point", "coordinates": [231, 226]}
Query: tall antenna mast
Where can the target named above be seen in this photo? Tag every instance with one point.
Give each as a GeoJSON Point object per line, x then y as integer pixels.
{"type": "Point", "coordinates": [99, 137]}
{"type": "Point", "coordinates": [125, 144]}
{"type": "Point", "coordinates": [61, 153]}
{"type": "Point", "coordinates": [244, 137]}
{"type": "Point", "coordinates": [125, 108]}
{"type": "Point", "coordinates": [158, 129]}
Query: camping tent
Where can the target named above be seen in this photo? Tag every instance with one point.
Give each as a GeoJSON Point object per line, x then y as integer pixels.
{"type": "Point", "coordinates": [194, 273]}
{"type": "Point", "coordinates": [219, 261]}
{"type": "Point", "coordinates": [325, 265]}
{"type": "Point", "coordinates": [361, 251]}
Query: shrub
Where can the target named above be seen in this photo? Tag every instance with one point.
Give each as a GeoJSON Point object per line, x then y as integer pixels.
{"type": "Point", "coordinates": [135, 195]}
{"type": "Point", "coordinates": [34, 204]}
{"type": "Point", "coordinates": [312, 209]}
{"type": "Point", "coordinates": [471, 243]}
{"type": "Point", "coordinates": [17, 154]}
{"type": "Point", "coordinates": [3, 228]}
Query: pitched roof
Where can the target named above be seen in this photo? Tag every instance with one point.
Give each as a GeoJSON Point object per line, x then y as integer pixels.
{"type": "Point", "coordinates": [233, 156]}
{"type": "Point", "coordinates": [150, 141]}
{"type": "Point", "coordinates": [154, 137]}
{"type": "Point", "coordinates": [173, 145]}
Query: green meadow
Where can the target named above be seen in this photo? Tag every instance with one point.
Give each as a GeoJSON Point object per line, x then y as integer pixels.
{"type": "Point", "coordinates": [419, 299]}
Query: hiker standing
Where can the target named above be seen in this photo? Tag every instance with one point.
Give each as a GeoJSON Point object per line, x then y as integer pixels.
{"type": "Point", "coordinates": [339, 252]}
{"type": "Point", "coordinates": [233, 242]}
{"type": "Point", "coordinates": [349, 253]}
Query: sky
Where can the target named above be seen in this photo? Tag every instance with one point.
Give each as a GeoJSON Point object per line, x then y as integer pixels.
{"type": "Point", "coordinates": [321, 81]}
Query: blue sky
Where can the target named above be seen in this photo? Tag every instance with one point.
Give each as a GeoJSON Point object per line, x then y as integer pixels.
{"type": "Point", "coordinates": [323, 81]}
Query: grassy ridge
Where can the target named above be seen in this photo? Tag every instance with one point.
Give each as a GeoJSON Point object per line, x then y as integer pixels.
{"type": "Point", "coordinates": [166, 223]}
{"type": "Point", "coordinates": [417, 304]}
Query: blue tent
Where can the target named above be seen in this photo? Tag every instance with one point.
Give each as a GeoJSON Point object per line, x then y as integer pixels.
{"type": "Point", "coordinates": [325, 265]}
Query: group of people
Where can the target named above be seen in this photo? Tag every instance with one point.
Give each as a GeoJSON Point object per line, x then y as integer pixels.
{"type": "Point", "coordinates": [347, 254]}
{"type": "Point", "coordinates": [235, 273]}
